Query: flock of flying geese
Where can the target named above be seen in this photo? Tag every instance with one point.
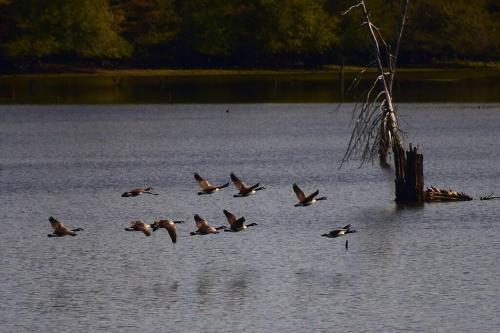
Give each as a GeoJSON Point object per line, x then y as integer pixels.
{"type": "Point", "coordinates": [202, 226]}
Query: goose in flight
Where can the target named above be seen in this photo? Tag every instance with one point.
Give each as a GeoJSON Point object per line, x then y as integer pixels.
{"type": "Point", "coordinates": [169, 225]}
{"type": "Point", "coordinates": [303, 199]}
{"type": "Point", "coordinates": [138, 191]}
{"type": "Point", "coordinates": [60, 230]}
{"type": "Point", "coordinates": [206, 187]}
{"type": "Point", "coordinates": [140, 226]}
{"type": "Point", "coordinates": [236, 225]}
{"type": "Point", "coordinates": [203, 228]}
{"type": "Point", "coordinates": [243, 189]}
{"type": "Point", "coordinates": [340, 232]}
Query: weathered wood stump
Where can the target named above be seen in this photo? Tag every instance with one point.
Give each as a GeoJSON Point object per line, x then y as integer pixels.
{"type": "Point", "coordinates": [409, 169]}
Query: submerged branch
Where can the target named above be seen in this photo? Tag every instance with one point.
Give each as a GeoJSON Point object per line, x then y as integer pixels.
{"type": "Point", "coordinates": [489, 197]}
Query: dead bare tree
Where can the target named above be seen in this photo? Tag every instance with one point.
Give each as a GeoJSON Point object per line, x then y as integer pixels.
{"type": "Point", "coordinates": [377, 127]}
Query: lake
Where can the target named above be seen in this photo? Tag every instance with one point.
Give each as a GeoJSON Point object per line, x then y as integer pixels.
{"type": "Point", "coordinates": [420, 269]}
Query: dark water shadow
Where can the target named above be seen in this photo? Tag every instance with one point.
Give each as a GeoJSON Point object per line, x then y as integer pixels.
{"type": "Point", "coordinates": [413, 86]}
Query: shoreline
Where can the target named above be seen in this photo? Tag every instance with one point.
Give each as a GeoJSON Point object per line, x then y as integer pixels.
{"type": "Point", "coordinates": [168, 72]}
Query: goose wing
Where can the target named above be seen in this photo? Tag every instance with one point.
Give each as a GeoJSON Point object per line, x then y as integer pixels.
{"type": "Point", "coordinates": [170, 227]}
{"type": "Point", "coordinates": [240, 185]}
{"type": "Point", "coordinates": [172, 231]}
{"type": "Point", "coordinates": [299, 193]}
{"type": "Point", "coordinates": [141, 226]}
{"type": "Point", "coordinates": [311, 196]}
{"type": "Point", "coordinates": [146, 229]}
{"type": "Point", "coordinates": [200, 222]}
{"type": "Point", "coordinates": [230, 217]}
{"type": "Point", "coordinates": [59, 228]}
{"type": "Point", "coordinates": [56, 224]}
{"type": "Point", "coordinates": [164, 223]}
{"type": "Point", "coordinates": [204, 184]}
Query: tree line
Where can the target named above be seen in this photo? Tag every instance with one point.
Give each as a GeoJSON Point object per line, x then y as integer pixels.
{"type": "Point", "coordinates": [238, 33]}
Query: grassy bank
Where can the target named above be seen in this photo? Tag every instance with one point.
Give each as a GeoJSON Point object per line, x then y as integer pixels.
{"type": "Point", "coordinates": [182, 72]}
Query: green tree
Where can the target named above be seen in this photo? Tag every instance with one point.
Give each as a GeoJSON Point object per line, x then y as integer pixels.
{"type": "Point", "coordinates": [453, 30]}
{"type": "Point", "coordinates": [207, 26]}
{"type": "Point", "coordinates": [354, 41]}
{"type": "Point", "coordinates": [301, 27]}
{"type": "Point", "coordinates": [148, 24]}
{"type": "Point", "coordinates": [259, 29]}
{"type": "Point", "coordinates": [83, 28]}
{"type": "Point", "coordinates": [242, 32]}
{"type": "Point", "coordinates": [5, 28]}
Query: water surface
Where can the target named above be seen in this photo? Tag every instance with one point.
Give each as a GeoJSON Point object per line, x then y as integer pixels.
{"type": "Point", "coordinates": [422, 269]}
{"type": "Point", "coordinates": [454, 85]}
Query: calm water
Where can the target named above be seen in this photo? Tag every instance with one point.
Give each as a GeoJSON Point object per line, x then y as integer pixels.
{"type": "Point", "coordinates": [428, 269]}
{"type": "Point", "coordinates": [423, 86]}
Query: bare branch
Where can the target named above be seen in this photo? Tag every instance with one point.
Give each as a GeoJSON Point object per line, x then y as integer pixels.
{"type": "Point", "coordinates": [352, 7]}
{"type": "Point", "coordinates": [393, 63]}
{"type": "Point", "coordinates": [358, 77]}
{"type": "Point", "coordinates": [376, 126]}
{"type": "Point", "coordinates": [379, 34]}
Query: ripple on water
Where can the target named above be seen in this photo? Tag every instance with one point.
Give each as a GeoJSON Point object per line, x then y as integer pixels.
{"type": "Point", "coordinates": [431, 268]}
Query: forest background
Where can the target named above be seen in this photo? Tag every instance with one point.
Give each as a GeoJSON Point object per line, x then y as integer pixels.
{"type": "Point", "coordinates": [38, 34]}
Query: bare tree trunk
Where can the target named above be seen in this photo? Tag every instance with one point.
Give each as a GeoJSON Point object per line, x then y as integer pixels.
{"type": "Point", "coordinates": [389, 120]}
{"type": "Point", "coordinates": [384, 143]}
{"type": "Point", "coordinates": [408, 167]}
{"type": "Point", "coordinates": [377, 126]}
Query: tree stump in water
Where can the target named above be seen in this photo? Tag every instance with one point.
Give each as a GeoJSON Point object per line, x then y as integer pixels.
{"type": "Point", "coordinates": [409, 169]}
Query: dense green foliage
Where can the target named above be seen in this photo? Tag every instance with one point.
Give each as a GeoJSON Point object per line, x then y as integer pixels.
{"type": "Point", "coordinates": [255, 33]}
{"type": "Point", "coordinates": [81, 28]}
